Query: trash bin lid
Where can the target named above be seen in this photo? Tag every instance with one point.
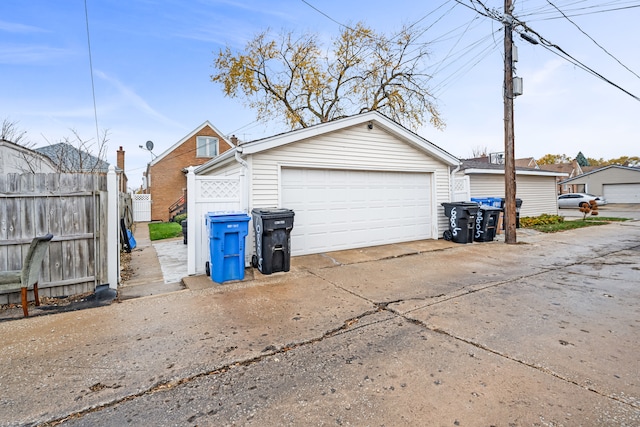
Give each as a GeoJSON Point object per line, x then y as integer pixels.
{"type": "Point", "coordinates": [225, 216]}
{"type": "Point", "coordinates": [267, 213]}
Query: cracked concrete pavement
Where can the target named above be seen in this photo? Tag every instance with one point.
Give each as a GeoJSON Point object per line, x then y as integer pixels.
{"type": "Point", "coordinates": [544, 332]}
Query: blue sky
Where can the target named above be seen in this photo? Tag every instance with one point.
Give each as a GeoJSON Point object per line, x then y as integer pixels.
{"type": "Point", "coordinates": [152, 62]}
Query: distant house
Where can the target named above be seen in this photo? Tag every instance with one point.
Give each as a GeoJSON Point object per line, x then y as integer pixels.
{"type": "Point", "coordinates": [617, 184]}
{"type": "Point", "coordinates": [528, 162]}
{"type": "Point", "coordinates": [165, 177]}
{"type": "Point", "coordinates": [68, 158]}
{"type": "Point", "coordinates": [15, 158]}
{"type": "Point", "coordinates": [570, 170]}
{"type": "Point", "coordinates": [535, 187]}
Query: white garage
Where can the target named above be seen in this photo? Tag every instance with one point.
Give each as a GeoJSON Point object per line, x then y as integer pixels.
{"type": "Point", "coordinates": [355, 182]}
{"type": "Point", "coordinates": [621, 193]}
{"type": "Point", "coordinates": [342, 209]}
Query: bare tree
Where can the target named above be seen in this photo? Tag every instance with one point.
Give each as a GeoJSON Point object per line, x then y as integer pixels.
{"type": "Point", "coordinates": [75, 154]}
{"type": "Point", "coordinates": [479, 151]}
{"type": "Point", "coordinates": [12, 133]}
{"type": "Point", "coordinates": [293, 78]}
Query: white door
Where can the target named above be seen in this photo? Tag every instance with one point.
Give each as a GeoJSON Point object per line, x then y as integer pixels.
{"type": "Point", "coordinates": [621, 193]}
{"type": "Point", "coordinates": [344, 209]}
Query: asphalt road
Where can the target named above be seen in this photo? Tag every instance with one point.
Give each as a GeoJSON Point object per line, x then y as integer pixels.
{"type": "Point", "coordinates": [545, 332]}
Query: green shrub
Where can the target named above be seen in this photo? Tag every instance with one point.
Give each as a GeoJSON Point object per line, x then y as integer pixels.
{"type": "Point", "coordinates": [179, 218]}
{"type": "Point", "coordinates": [544, 219]}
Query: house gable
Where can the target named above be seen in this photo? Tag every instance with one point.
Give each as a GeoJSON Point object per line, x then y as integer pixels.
{"type": "Point", "coordinates": [205, 129]}
{"type": "Point", "coordinates": [165, 174]}
{"type": "Point", "coordinates": [368, 121]}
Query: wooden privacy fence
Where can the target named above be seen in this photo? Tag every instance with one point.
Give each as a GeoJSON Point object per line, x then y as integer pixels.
{"type": "Point", "coordinates": [73, 207]}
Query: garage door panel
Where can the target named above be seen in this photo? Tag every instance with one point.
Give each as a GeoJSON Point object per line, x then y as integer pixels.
{"type": "Point", "coordinates": [621, 193]}
{"type": "Point", "coordinates": [336, 209]}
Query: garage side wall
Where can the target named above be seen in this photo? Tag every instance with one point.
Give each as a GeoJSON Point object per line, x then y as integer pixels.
{"type": "Point", "coordinates": [538, 193]}
{"type": "Point", "coordinates": [355, 148]}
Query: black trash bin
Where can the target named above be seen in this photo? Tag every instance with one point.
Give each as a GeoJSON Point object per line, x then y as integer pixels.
{"type": "Point", "coordinates": [486, 224]}
{"type": "Point", "coordinates": [518, 206]}
{"type": "Point", "coordinates": [461, 221]}
{"type": "Point", "coordinates": [184, 231]}
{"type": "Point", "coordinates": [273, 239]}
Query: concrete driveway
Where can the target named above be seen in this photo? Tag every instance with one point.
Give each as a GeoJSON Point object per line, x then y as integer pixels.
{"type": "Point", "coordinates": [614, 210]}
{"type": "Point", "coordinates": [544, 332]}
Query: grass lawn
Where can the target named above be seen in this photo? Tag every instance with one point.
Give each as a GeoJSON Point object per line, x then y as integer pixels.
{"type": "Point", "coordinates": [552, 224]}
{"type": "Point", "coordinates": [164, 230]}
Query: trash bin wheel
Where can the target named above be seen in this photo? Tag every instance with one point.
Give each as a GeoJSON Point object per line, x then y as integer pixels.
{"type": "Point", "coordinates": [207, 268]}
{"type": "Point", "coordinates": [447, 235]}
{"type": "Point", "coordinates": [254, 261]}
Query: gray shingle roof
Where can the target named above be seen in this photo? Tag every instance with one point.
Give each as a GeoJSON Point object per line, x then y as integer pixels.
{"type": "Point", "coordinates": [72, 159]}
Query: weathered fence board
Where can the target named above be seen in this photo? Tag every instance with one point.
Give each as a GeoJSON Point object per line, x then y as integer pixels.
{"type": "Point", "coordinates": [70, 206]}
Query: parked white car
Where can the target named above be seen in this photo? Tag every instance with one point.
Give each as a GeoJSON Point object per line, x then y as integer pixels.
{"type": "Point", "coordinates": [576, 200]}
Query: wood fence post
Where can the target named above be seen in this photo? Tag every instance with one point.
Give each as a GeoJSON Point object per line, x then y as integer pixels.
{"type": "Point", "coordinates": [191, 221]}
{"type": "Point", "coordinates": [113, 227]}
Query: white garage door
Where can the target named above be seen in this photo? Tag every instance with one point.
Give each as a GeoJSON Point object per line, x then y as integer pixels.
{"type": "Point", "coordinates": [621, 193]}
{"type": "Point", "coordinates": [339, 209]}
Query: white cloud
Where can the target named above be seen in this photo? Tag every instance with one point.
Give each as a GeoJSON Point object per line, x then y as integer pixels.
{"type": "Point", "coordinates": [12, 27]}
{"type": "Point", "coordinates": [25, 54]}
{"type": "Point", "coordinates": [135, 100]}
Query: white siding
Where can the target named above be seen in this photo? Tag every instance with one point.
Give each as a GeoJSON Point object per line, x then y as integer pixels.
{"type": "Point", "coordinates": [21, 160]}
{"type": "Point", "coordinates": [356, 148]}
{"type": "Point", "coordinates": [231, 169]}
{"type": "Point", "coordinates": [538, 193]}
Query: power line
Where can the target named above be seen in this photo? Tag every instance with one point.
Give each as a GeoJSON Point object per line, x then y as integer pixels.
{"type": "Point", "coordinates": [591, 38]}
{"type": "Point", "coordinates": [549, 46]}
{"type": "Point", "coordinates": [566, 56]}
{"type": "Point", "coordinates": [93, 87]}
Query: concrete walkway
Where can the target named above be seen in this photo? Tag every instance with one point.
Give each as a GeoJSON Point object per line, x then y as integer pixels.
{"type": "Point", "coordinates": [156, 268]}
{"type": "Point", "coordinates": [544, 332]}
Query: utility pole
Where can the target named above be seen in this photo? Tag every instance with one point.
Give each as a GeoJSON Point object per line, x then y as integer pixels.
{"type": "Point", "coordinates": [509, 156]}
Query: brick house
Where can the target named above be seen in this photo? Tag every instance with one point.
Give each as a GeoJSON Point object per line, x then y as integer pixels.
{"type": "Point", "coordinates": [165, 177]}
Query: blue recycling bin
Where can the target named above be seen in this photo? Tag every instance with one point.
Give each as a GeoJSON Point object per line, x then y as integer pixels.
{"type": "Point", "coordinates": [227, 233]}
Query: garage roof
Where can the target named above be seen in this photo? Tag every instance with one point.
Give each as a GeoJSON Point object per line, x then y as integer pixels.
{"type": "Point", "coordinates": [373, 118]}
{"type": "Point", "coordinates": [482, 166]}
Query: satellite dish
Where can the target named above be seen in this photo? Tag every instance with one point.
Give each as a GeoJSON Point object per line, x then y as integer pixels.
{"type": "Point", "coordinates": [149, 145]}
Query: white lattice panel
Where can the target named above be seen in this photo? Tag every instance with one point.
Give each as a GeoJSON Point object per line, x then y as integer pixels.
{"type": "Point", "coordinates": [461, 189]}
{"type": "Point", "coordinates": [216, 189]}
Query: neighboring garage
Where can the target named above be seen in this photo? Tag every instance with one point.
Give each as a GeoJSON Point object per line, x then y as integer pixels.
{"type": "Point", "coordinates": [617, 184]}
{"type": "Point", "coordinates": [536, 188]}
{"type": "Point", "coordinates": [355, 182]}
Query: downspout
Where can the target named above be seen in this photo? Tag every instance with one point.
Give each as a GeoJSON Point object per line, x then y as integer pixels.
{"type": "Point", "coordinates": [452, 180]}
{"type": "Point", "coordinates": [244, 182]}
{"type": "Point", "coordinates": [244, 188]}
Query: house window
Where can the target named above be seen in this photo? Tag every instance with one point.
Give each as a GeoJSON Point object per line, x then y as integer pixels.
{"type": "Point", "coordinates": [207, 146]}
